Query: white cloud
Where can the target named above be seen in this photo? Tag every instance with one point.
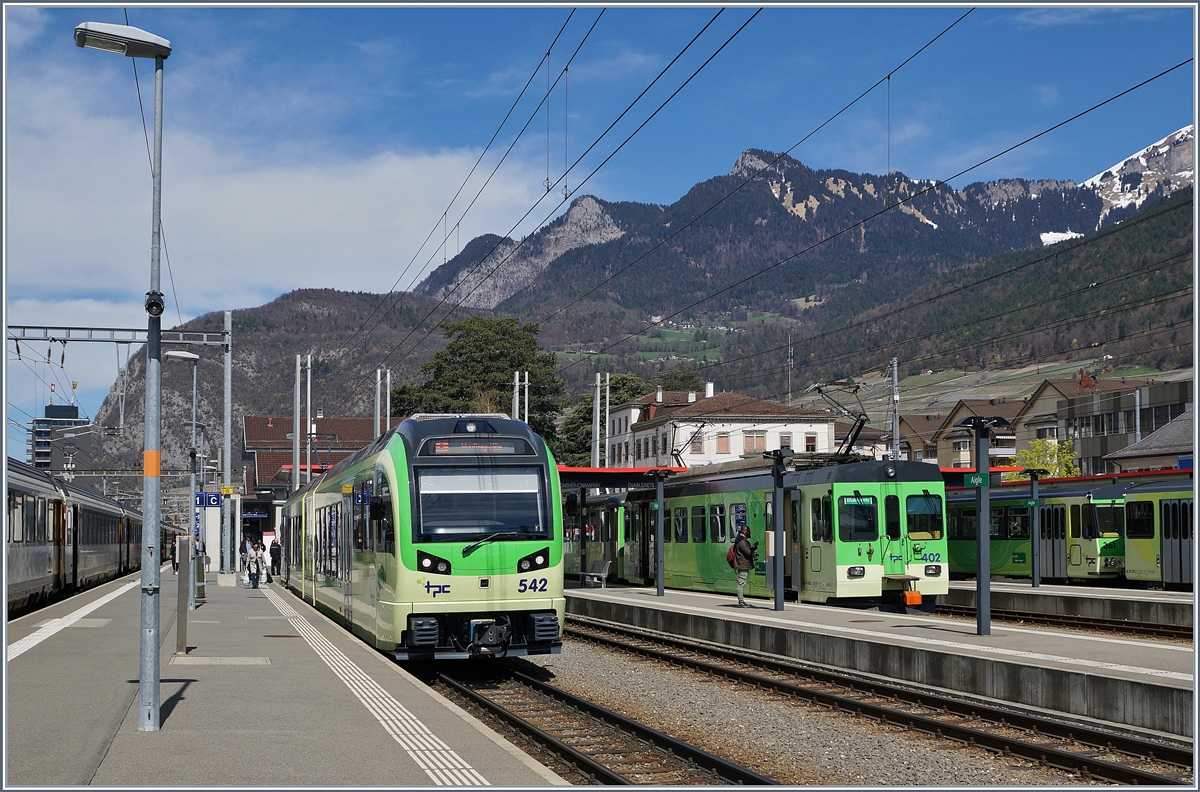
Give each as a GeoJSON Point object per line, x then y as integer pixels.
{"type": "Point", "coordinates": [22, 25]}
{"type": "Point", "coordinates": [1048, 94]}
{"type": "Point", "coordinates": [238, 232]}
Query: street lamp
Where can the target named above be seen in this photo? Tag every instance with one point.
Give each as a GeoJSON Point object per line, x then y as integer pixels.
{"type": "Point", "coordinates": [136, 43]}
{"type": "Point", "coordinates": [193, 529]}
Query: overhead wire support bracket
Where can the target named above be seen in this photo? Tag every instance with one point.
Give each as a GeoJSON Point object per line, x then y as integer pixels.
{"type": "Point", "coordinates": [113, 334]}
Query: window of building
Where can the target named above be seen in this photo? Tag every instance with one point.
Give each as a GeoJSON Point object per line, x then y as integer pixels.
{"type": "Point", "coordinates": [637, 449]}
{"type": "Point", "coordinates": [723, 443]}
{"type": "Point", "coordinates": [626, 450]}
{"type": "Point", "coordinates": [698, 443]}
{"type": "Point", "coordinates": [1047, 432]}
{"type": "Point", "coordinates": [754, 441]}
{"type": "Point", "coordinates": [654, 445]}
{"type": "Point", "coordinates": [810, 443]}
{"type": "Point", "coordinates": [666, 448]}
{"type": "Point", "coordinates": [785, 440]}
{"type": "Point", "coordinates": [962, 445]}
{"type": "Point", "coordinates": [698, 524]}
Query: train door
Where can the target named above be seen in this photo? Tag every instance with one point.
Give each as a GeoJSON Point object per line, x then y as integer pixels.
{"type": "Point", "coordinates": [1177, 539]}
{"type": "Point", "coordinates": [73, 547]}
{"type": "Point", "coordinates": [796, 549]}
{"type": "Point", "coordinates": [58, 545]}
{"type": "Point", "coordinates": [1075, 540]}
{"type": "Point", "coordinates": [1052, 533]}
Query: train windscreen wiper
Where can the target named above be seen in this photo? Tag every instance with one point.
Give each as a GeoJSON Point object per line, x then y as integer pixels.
{"type": "Point", "coordinates": [503, 535]}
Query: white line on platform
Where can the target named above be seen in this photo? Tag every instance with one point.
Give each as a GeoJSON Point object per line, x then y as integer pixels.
{"type": "Point", "coordinates": [953, 645]}
{"type": "Point", "coordinates": [18, 648]}
{"type": "Point", "coordinates": [439, 762]}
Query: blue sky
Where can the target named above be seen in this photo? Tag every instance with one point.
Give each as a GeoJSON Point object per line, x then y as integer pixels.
{"type": "Point", "coordinates": [308, 147]}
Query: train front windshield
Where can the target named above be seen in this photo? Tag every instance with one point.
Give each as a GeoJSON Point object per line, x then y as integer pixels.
{"type": "Point", "coordinates": [1110, 521]}
{"type": "Point", "coordinates": [462, 504]}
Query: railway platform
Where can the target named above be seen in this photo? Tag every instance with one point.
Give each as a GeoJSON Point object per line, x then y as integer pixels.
{"type": "Point", "coordinates": [1139, 685]}
{"type": "Point", "coordinates": [1166, 608]}
{"type": "Point", "coordinates": [269, 693]}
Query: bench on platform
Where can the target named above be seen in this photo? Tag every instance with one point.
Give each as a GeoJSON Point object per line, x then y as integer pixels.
{"type": "Point", "coordinates": [599, 574]}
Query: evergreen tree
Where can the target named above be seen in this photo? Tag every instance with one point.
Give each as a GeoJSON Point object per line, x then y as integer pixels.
{"type": "Point", "coordinates": [574, 446]}
{"type": "Point", "coordinates": [474, 373]}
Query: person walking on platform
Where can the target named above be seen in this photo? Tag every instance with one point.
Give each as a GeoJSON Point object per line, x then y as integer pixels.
{"type": "Point", "coordinates": [254, 564]}
{"type": "Point", "coordinates": [276, 552]}
{"type": "Point", "coordinates": [743, 562]}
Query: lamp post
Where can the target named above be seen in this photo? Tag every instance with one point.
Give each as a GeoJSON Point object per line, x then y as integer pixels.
{"type": "Point", "coordinates": [136, 43]}
{"type": "Point", "coordinates": [193, 529]}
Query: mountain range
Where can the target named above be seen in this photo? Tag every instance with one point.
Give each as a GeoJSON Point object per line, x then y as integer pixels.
{"type": "Point", "coordinates": [807, 250]}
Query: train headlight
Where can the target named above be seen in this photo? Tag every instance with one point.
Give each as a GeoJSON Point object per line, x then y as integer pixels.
{"type": "Point", "coordinates": [933, 570]}
{"type": "Point", "coordinates": [856, 571]}
{"type": "Point", "coordinates": [536, 560]}
{"type": "Point", "coordinates": [432, 564]}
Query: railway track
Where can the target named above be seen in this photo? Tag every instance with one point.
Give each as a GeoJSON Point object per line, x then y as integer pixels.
{"type": "Point", "coordinates": [1093, 754]}
{"type": "Point", "coordinates": [1082, 622]}
{"type": "Point", "coordinates": [598, 744]}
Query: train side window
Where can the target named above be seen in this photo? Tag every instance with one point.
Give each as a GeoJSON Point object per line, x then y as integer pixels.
{"type": "Point", "coordinates": [627, 518]}
{"type": "Point", "coordinates": [818, 527]}
{"type": "Point", "coordinates": [924, 513]}
{"type": "Point", "coordinates": [385, 533]}
{"type": "Point", "coordinates": [797, 512]}
{"type": "Point", "coordinates": [41, 519]}
{"type": "Point", "coordinates": [996, 522]}
{"type": "Point", "coordinates": [965, 525]}
{"type": "Point", "coordinates": [1018, 522]}
{"type": "Point", "coordinates": [858, 518]}
{"type": "Point", "coordinates": [1075, 521]}
{"type": "Point", "coordinates": [768, 514]}
{"type": "Point", "coordinates": [30, 518]}
{"type": "Point", "coordinates": [716, 523]}
{"type": "Point", "coordinates": [891, 516]}
{"type": "Point", "coordinates": [16, 517]}
{"type": "Point", "coordinates": [698, 524]}
{"type": "Point", "coordinates": [681, 533]}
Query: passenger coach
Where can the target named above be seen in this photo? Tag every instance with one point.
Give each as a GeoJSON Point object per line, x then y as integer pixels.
{"type": "Point", "coordinates": [442, 539]}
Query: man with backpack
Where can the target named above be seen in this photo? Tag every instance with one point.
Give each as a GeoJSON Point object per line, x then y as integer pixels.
{"type": "Point", "coordinates": [742, 561]}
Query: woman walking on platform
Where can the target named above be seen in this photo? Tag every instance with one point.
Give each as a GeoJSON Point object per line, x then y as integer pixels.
{"type": "Point", "coordinates": [254, 564]}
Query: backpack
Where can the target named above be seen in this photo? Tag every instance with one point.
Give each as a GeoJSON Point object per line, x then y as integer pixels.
{"type": "Point", "coordinates": [729, 556]}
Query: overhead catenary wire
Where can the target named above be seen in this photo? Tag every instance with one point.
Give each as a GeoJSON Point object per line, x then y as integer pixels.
{"type": "Point", "coordinates": [479, 192]}
{"type": "Point", "coordinates": [875, 319]}
{"type": "Point", "coordinates": [363, 381]}
{"type": "Point", "coordinates": [932, 186]}
{"type": "Point", "coordinates": [470, 173]}
{"type": "Point", "coordinates": [755, 175]}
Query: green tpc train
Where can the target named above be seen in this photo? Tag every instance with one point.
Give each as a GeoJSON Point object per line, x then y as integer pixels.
{"type": "Point", "coordinates": [857, 533]}
{"type": "Point", "coordinates": [440, 540]}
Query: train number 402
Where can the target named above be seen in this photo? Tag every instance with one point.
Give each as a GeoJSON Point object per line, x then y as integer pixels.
{"type": "Point", "coordinates": [536, 584]}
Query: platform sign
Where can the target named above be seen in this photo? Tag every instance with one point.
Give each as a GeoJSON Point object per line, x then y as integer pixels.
{"type": "Point", "coordinates": [1032, 502]}
{"type": "Point", "coordinates": [739, 517]}
{"type": "Point", "coordinates": [653, 505]}
{"type": "Point", "coordinates": [974, 480]}
{"type": "Point", "coordinates": [226, 491]}
{"type": "Point", "coordinates": [208, 500]}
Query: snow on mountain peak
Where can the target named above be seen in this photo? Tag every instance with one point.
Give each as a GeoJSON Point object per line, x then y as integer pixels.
{"type": "Point", "coordinates": [1160, 168]}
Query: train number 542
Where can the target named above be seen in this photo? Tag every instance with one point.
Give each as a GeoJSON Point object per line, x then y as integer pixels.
{"type": "Point", "coordinates": [535, 584]}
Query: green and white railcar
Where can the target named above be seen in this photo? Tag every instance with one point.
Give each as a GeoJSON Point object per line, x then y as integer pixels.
{"type": "Point", "coordinates": [442, 539]}
{"type": "Point", "coordinates": [1160, 534]}
{"type": "Point", "coordinates": [859, 532]}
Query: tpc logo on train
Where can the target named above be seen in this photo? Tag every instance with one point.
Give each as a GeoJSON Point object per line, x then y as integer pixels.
{"type": "Point", "coordinates": [436, 588]}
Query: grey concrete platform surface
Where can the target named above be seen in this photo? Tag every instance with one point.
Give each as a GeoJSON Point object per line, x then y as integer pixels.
{"type": "Point", "coordinates": [1129, 604]}
{"type": "Point", "coordinates": [269, 693]}
{"type": "Point", "coordinates": [1139, 683]}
